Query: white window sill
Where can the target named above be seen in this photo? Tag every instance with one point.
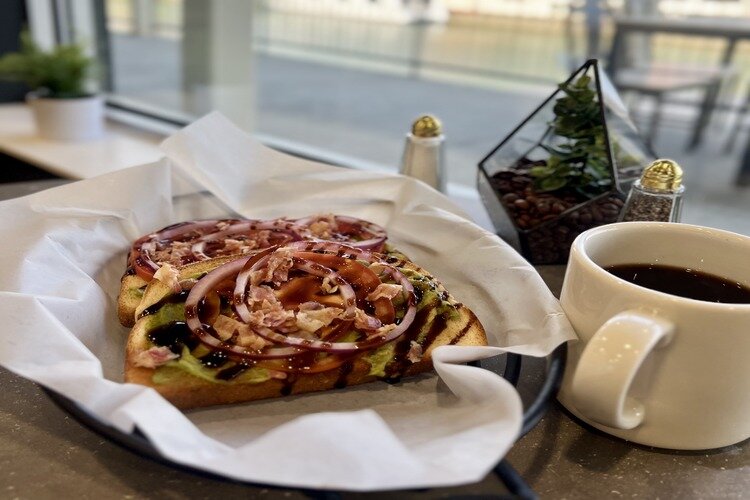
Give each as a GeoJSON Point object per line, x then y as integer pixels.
{"type": "Point", "coordinates": [121, 147]}
{"type": "Point", "coordinates": [125, 146]}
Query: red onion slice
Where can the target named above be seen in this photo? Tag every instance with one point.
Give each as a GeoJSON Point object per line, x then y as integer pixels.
{"type": "Point", "coordinates": [145, 247]}
{"type": "Point", "coordinates": [349, 300]}
{"type": "Point", "coordinates": [204, 332]}
{"type": "Point", "coordinates": [287, 230]}
{"type": "Point", "coordinates": [373, 235]}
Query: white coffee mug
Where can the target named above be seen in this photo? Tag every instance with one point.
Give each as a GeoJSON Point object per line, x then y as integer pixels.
{"type": "Point", "coordinates": [650, 367]}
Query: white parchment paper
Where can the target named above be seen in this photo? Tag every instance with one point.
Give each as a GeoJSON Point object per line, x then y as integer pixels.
{"type": "Point", "coordinates": [64, 251]}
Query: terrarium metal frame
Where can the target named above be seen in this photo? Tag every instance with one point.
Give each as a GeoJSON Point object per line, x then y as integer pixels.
{"type": "Point", "coordinates": [557, 228]}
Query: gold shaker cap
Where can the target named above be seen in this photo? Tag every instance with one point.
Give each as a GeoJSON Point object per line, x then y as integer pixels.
{"type": "Point", "coordinates": [662, 175]}
{"type": "Point", "coordinates": [426, 126]}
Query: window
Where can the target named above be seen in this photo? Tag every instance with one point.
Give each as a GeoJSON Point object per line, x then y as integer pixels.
{"type": "Point", "coordinates": [342, 80]}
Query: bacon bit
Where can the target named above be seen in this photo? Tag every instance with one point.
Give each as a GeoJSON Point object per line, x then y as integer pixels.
{"type": "Point", "coordinates": [259, 294]}
{"type": "Point", "coordinates": [268, 311]}
{"type": "Point", "coordinates": [415, 352]}
{"type": "Point", "coordinates": [170, 276]}
{"type": "Point", "coordinates": [321, 229]}
{"type": "Point", "coordinates": [227, 328]}
{"type": "Point", "coordinates": [262, 239]}
{"type": "Point", "coordinates": [276, 270]}
{"type": "Point", "coordinates": [382, 331]}
{"type": "Point", "coordinates": [154, 357]}
{"type": "Point", "coordinates": [387, 290]}
{"type": "Point", "coordinates": [311, 306]}
{"type": "Point", "coordinates": [173, 253]}
{"type": "Point", "coordinates": [328, 287]}
{"type": "Point", "coordinates": [312, 320]}
{"type": "Point", "coordinates": [324, 226]}
{"type": "Point", "coordinates": [364, 321]}
{"type": "Point", "coordinates": [233, 245]}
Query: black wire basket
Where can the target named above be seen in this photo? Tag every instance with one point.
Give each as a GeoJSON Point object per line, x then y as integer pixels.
{"type": "Point", "coordinates": [518, 488]}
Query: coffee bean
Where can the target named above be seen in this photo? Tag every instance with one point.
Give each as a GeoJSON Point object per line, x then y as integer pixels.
{"type": "Point", "coordinates": [521, 204]}
{"type": "Point", "coordinates": [510, 198]}
{"type": "Point", "coordinates": [596, 213]}
{"type": "Point", "coordinates": [558, 208]}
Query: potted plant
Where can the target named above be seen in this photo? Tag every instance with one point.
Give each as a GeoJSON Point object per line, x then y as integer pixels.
{"type": "Point", "coordinates": [562, 171]}
{"type": "Point", "coordinates": [62, 106]}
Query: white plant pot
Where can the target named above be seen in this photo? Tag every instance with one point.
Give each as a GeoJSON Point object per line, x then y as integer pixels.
{"type": "Point", "coordinates": [73, 119]}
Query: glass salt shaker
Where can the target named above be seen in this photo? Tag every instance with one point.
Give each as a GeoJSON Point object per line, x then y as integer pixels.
{"type": "Point", "coordinates": [657, 195]}
{"type": "Point", "coordinates": [424, 156]}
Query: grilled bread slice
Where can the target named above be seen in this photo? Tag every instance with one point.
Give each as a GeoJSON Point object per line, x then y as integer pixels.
{"type": "Point", "coordinates": [200, 378]}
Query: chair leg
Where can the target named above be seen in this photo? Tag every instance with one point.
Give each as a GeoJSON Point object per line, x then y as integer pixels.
{"type": "Point", "coordinates": [655, 119]}
{"type": "Point", "coordinates": [743, 175]}
{"type": "Point", "coordinates": [704, 115]}
{"type": "Point", "coordinates": [734, 131]}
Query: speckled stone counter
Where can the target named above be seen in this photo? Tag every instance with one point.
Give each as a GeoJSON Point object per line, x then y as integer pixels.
{"type": "Point", "coordinates": [44, 453]}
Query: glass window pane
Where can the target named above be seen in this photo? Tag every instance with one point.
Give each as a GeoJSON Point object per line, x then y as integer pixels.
{"type": "Point", "coordinates": [346, 80]}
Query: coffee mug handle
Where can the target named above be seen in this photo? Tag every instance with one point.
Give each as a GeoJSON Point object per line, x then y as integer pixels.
{"type": "Point", "coordinates": [610, 362]}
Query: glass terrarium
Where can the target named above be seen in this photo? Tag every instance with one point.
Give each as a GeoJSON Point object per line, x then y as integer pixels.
{"type": "Point", "coordinates": [564, 169]}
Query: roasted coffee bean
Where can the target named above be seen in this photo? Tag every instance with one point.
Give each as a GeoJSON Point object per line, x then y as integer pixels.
{"type": "Point", "coordinates": [510, 198]}
{"type": "Point", "coordinates": [521, 204]}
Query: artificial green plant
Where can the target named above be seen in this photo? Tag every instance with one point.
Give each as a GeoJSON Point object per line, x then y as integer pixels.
{"type": "Point", "coordinates": [578, 157]}
{"type": "Point", "coordinates": [59, 73]}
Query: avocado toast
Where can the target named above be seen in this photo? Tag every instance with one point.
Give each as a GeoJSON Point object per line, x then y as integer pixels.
{"type": "Point", "coordinates": [297, 318]}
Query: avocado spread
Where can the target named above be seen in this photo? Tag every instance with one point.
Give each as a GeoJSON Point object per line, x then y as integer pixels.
{"type": "Point", "coordinates": [379, 359]}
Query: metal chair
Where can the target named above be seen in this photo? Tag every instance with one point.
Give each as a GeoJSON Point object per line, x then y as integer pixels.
{"type": "Point", "coordinates": [658, 80]}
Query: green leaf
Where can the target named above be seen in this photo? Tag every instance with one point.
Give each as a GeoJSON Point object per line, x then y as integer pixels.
{"type": "Point", "coordinates": [541, 171]}
{"type": "Point", "coordinates": [552, 184]}
{"type": "Point", "coordinates": [61, 72]}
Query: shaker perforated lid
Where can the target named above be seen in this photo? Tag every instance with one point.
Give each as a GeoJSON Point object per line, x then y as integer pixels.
{"type": "Point", "coordinates": [426, 126]}
{"type": "Point", "coordinates": [662, 175]}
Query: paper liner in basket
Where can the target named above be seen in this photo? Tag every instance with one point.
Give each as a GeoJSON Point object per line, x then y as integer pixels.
{"type": "Point", "coordinates": [60, 277]}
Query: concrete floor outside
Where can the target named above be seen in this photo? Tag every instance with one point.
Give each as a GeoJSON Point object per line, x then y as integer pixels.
{"type": "Point", "coordinates": [362, 111]}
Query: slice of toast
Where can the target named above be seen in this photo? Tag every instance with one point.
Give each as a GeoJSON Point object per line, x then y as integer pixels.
{"type": "Point", "coordinates": [189, 382]}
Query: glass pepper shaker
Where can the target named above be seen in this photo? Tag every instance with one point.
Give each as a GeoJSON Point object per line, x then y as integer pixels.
{"type": "Point", "coordinates": [657, 195]}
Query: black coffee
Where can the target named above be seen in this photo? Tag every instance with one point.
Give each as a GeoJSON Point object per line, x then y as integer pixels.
{"type": "Point", "coordinates": [683, 282]}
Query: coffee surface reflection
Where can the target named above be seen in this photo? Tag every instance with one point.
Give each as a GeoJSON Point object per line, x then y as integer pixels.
{"type": "Point", "coordinates": [683, 282]}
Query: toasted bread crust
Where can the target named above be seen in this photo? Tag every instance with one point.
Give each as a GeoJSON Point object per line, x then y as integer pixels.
{"type": "Point", "coordinates": [129, 298]}
{"type": "Point", "coordinates": [192, 392]}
